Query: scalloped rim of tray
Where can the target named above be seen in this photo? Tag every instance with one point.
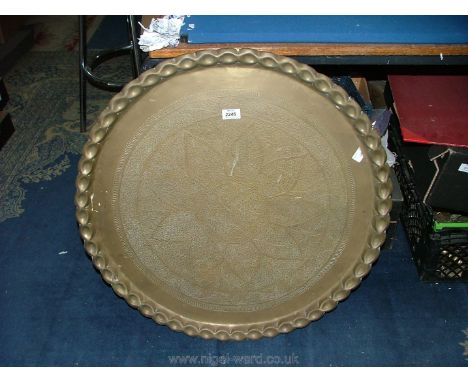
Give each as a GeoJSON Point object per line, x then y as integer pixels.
{"type": "Point", "coordinates": [125, 288]}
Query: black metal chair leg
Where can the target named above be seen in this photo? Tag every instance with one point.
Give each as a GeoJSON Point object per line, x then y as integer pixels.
{"type": "Point", "coordinates": [86, 70]}
{"type": "Point", "coordinates": [132, 24]}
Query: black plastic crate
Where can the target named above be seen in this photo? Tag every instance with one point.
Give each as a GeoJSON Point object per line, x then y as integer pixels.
{"type": "Point", "coordinates": [438, 255]}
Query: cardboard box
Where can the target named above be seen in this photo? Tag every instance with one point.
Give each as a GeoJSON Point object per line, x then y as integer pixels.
{"type": "Point", "coordinates": [361, 86]}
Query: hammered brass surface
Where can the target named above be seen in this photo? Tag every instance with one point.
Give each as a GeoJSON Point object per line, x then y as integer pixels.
{"type": "Point", "coordinates": [233, 228]}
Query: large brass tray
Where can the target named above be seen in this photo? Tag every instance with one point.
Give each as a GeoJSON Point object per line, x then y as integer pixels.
{"type": "Point", "coordinates": [233, 194]}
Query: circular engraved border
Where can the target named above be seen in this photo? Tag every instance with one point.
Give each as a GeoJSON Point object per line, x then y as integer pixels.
{"type": "Point", "coordinates": [125, 288]}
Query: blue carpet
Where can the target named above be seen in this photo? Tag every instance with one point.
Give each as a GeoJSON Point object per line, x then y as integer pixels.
{"type": "Point", "coordinates": [56, 310]}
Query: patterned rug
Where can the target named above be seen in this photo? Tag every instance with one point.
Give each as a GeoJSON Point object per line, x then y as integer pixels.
{"type": "Point", "coordinates": [44, 104]}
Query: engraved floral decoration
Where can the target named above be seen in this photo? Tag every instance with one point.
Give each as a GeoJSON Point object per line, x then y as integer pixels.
{"type": "Point", "coordinates": [234, 214]}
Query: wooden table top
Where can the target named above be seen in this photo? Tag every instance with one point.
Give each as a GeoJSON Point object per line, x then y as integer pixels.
{"type": "Point", "coordinates": [324, 49]}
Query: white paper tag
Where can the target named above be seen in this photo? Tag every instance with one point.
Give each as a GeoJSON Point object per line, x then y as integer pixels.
{"type": "Point", "coordinates": [358, 155]}
{"type": "Point", "coordinates": [463, 167]}
{"type": "Point", "coordinates": [231, 114]}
